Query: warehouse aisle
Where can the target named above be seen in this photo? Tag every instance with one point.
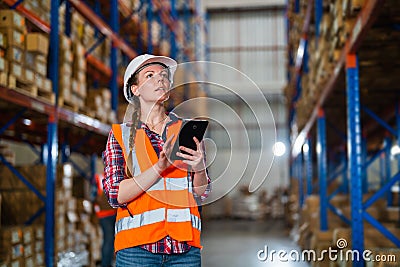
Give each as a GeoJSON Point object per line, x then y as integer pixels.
{"type": "Point", "coordinates": [235, 243]}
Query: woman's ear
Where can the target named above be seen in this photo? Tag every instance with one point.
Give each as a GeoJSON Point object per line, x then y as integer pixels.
{"type": "Point", "coordinates": [134, 90]}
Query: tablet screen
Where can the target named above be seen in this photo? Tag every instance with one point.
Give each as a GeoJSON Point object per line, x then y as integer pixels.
{"type": "Point", "coordinates": [189, 129]}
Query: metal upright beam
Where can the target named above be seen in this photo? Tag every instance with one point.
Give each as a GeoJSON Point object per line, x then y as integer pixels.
{"type": "Point", "coordinates": [68, 15]}
{"type": "Point", "coordinates": [93, 186]}
{"type": "Point", "coordinates": [105, 29]}
{"type": "Point", "coordinates": [354, 150]}
{"type": "Point", "coordinates": [296, 6]}
{"type": "Point", "coordinates": [308, 165]}
{"type": "Point", "coordinates": [187, 31]}
{"type": "Point", "coordinates": [174, 15]}
{"type": "Point", "coordinates": [198, 33]}
{"type": "Point", "coordinates": [381, 169]}
{"type": "Point", "coordinates": [345, 180]}
{"type": "Point", "coordinates": [52, 140]}
{"type": "Point", "coordinates": [113, 61]}
{"type": "Point", "coordinates": [53, 50]}
{"type": "Point", "coordinates": [149, 15]}
{"type": "Point", "coordinates": [388, 168]}
{"type": "Point", "coordinates": [43, 153]}
{"type": "Point", "coordinates": [322, 169]}
{"type": "Point", "coordinates": [364, 173]}
{"type": "Point", "coordinates": [50, 188]}
{"type": "Point", "coordinates": [365, 20]}
{"type": "Point", "coordinates": [318, 16]}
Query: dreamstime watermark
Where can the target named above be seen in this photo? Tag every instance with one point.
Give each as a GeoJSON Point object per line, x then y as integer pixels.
{"type": "Point", "coordinates": [332, 254]}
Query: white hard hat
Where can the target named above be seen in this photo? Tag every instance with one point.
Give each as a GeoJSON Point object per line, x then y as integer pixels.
{"type": "Point", "coordinates": [140, 61]}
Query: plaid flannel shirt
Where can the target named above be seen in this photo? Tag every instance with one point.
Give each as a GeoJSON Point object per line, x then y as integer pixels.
{"type": "Point", "coordinates": [114, 173]}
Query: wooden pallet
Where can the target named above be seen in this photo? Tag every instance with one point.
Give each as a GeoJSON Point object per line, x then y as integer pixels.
{"type": "Point", "coordinates": [3, 79]}
{"type": "Point", "coordinates": [29, 89]}
{"type": "Point", "coordinates": [49, 97]}
{"type": "Point", "coordinates": [65, 103]}
{"type": "Point", "coordinates": [87, 112]}
{"type": "Point", "coordinates": [22, 86]}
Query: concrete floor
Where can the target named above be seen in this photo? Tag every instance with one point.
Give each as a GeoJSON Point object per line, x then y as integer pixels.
{"type": "Point", "coordinates": [235, 243]}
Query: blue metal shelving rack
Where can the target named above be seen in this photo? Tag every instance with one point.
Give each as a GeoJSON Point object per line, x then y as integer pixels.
{"type": "Point", "coordinates": [49, 153]}
{"type": "Point", "coordinates": [354, 154]}
{"type": "Point", "coordinates": [352, 169]}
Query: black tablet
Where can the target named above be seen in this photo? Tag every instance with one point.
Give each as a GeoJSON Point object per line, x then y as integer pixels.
{"type": "Point", "coordinates": [189, 129]}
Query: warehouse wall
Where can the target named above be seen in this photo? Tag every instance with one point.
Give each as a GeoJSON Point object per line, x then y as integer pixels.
{"type": "Point", "coordinates": [240, 3]}
{"type": "Point", "coordinates": [253, 42]}
{"type": "Point", "coordinates": [233, 148]}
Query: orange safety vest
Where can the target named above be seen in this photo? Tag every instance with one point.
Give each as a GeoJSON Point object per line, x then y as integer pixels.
{"type": "Point", "coordinates": [102, 207]}
{"type": "Point", "coordinates": [167, 208]}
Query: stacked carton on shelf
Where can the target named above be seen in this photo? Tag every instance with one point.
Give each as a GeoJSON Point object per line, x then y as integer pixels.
{"type": "Point", "coordinates": [37, 45]}
{"type": "Point", "coordinates": [78, 88]}
{"type": "Point", "coordinates": [13, 30]}
{"type": "Point", "coordinates": [65, 98]}
{"type": "Point", "coordinates": [324, 51]}
{"type": "Point", "coordinates": [99, 100]}
{"type": "Point", "coordinates": [11, 248]}
{"type": "Point", "coordinates": [21, 245]}
{"type": "Point", "coordinates": [3, 61]}
{"type": "Point", "coordinates": [23, 57]}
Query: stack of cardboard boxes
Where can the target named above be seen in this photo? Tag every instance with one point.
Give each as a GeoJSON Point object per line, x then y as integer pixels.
{"type": "Point", "coordinates": [13, 31]}
{"type": "Point", "coordinates": [23, 63]}
{"type": "Point", "coordinates": [74, 231]}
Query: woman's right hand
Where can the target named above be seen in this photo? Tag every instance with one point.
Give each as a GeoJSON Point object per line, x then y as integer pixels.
{"type": "Point", "coordinates": [163, 161]}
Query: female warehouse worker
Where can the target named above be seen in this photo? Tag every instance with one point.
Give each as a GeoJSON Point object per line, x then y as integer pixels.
{"type": "Point", "coordinates": [158, 221]}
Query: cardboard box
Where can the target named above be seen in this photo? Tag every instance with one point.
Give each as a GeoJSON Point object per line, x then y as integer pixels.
{"type": "Point", "coordinates": [13, 263]}
{"type": "Point", "coordinates": [41, 67]}
{"type": "Point", "coordinates": [79, 64]}
{"type": "Point", "coordinates": [3, 64]}
{"type": "Point", "coordinates": [31, 58]}
{"type": "Point", "coordinates": [28, 234]}
{"type": "Point", "coordinates": [78, 49]}
{"type": "Point", "coordinates": [30, 262]}
{"type": "Point", "coordinates": [37, 42]}
{"type": "Point", "coordinates": [39, 232]}
{"type": "Point", "coordinates": [16, 54]}
{"type": "Point", "coordinates": [45, 4]}
{"type": "Point", "coordinates": [66, 69]}
{"type": "Point", "coordinates": [28, 250]}
{"type": "Point", "coordinates": [13, 37]}
{"type": "Point", "coordinates": [65, 43]}
{"type": "Point", "coordinates": [47, 85]}
{"type": "Point", "coordinates": [39, 80]}
{"type": "Point", "coordinates": [11, 239]}
{"type": "Point", "coordinates": [39, 259]}
{"type": "Point", "coordinates": [12, 19]}
{"type": "Point", "coordinates": [2, 40]}
{"type": "Point", "coordinates": [16, 70]}
{"type": "Point", "coordinates": [29, 75]}
{"type": "Point", "coordinates": [38, 246]}
{"type": "Point", "coordinates": [66, 56]}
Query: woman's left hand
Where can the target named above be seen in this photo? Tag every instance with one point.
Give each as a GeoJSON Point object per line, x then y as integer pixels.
{"type": "Point", "coordinates": [196, 157]}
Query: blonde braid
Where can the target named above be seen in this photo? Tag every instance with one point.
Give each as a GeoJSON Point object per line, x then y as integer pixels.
{"type": "Point", "coordinates": [135, 120]}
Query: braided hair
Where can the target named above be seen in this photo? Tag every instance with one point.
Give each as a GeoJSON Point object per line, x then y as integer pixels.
{"type": "Point", "coordinates": [133, 80]}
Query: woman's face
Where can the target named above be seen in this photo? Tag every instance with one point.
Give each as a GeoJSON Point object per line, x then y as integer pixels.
{"type": "Point", "coordinates": [153, 84]}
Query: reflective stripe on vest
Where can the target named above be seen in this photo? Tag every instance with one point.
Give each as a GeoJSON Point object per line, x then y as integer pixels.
{"type": "Point", "coordinates": [168, 207]}
{"type": "Point", "coordinates": [158, 215]}
{"type": "Point", "coordinates": [171, 184]}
